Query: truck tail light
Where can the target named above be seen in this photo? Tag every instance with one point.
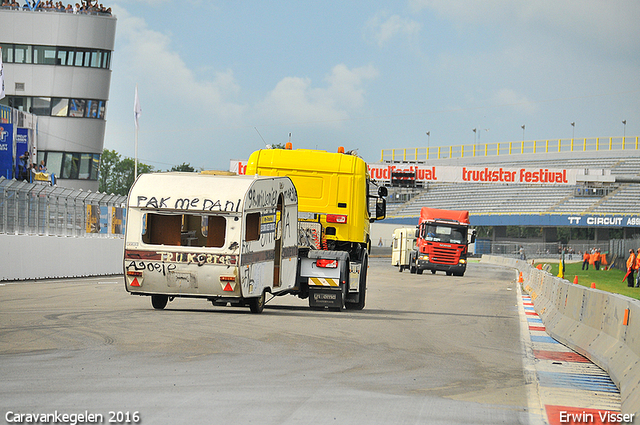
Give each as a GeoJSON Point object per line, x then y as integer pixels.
{"type": "Point", "coordinates": [336, 218]}
{"type": "Point", "coordinates": [329, 264]}
{"type": "Point", "coordinates": [227, 278]}
{"type": "Point", "coordinates": [132, 273]}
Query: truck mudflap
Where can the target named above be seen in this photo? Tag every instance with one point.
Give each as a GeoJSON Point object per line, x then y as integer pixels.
{"type": "Point", "coordinates": [327, 276]}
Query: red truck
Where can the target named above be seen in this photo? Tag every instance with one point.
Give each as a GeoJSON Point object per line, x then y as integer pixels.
{"type": "Point", "coordinates": [442, 242]}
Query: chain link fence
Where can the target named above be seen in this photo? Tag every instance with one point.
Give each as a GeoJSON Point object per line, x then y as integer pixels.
{"type": "Point", "coordinates": [42, 209]}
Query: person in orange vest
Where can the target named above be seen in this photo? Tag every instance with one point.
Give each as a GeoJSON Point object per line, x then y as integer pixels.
{"type": "Point", "coordinates": [596, 259]}
{"type": "Point", "coordinates": [603, 260]}
{"type": "Point", "coordinates": [585, 260]}
{"type": "Point", "coordinates": [631, 266]}
{"type": "Point", "coordinates": [638, 268]}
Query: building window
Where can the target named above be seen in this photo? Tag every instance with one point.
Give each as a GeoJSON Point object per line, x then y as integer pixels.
{"type": "Point", "coordinates": [22, 54]}
{"type": "Point", "coordinates": [76, 107]}
{"type": "Point", "coordinates": [71, 165]}
{"type": "Point", "coordinates": [45, 55]}
{"type": "Point", "coordinates": [52, 55]}
{"type": "Point", "coordinates": [41, 106]}
{"type": "Point", "coordinates": [59, 107]}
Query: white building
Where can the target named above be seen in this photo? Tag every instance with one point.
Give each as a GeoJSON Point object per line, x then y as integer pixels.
{"type": "Point", "coordinates": [58, 66]}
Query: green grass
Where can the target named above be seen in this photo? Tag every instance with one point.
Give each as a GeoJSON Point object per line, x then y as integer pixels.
{"type": "Point", "coordinates": [605, 280]}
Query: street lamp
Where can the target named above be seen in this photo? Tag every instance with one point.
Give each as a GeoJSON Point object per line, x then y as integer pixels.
{"type": "Point", "coordinates": [624, 130]}
{"type": "Point", "coordinates": [573, 124]}
{"type": "Point", "coordinates": [474, 136]}
{"type": "Point", "coordinates": [522, 127]}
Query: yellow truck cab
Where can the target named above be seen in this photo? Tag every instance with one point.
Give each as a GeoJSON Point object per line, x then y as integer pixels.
{"type": "Point", "coordinates": [229, 239]}
{"type": "Point", "coordinates": [333, 210]}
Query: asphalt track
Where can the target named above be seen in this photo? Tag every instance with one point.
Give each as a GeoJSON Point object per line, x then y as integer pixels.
{"type": "Point", "coordinates": [427, 349]}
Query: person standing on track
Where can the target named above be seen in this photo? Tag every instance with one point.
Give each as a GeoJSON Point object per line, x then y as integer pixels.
{"type": "Point", "coordinates": [638, 268]}
{"type": "Point", "coordinates": [631, 266]}
{"type": "Point", "coordinates": [585, 260]}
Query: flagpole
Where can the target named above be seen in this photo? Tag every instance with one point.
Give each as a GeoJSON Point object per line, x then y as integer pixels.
{"type": "Point", "coordinates": [136, 115]}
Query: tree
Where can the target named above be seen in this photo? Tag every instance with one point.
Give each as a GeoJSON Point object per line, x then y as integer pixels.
{"type": "Point", "coordinates": [116, 174]}
{"type": "Point", "coordinates": [185, 166]}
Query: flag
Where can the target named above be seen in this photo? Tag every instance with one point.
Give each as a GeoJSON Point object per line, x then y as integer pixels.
{"type": "Point", "coordinates": [1, 76]}
{"type": "Point", "coordinates": [137, 110]}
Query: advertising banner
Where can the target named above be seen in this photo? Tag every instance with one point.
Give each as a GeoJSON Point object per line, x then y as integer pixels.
{"type": "Point", "coordinates": [22, 146]}
{"type": "Point", "coordinates": [6, 150]}
{"type": "Point", "coordinates": [463, 174]}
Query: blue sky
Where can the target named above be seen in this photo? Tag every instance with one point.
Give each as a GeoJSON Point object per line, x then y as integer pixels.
{"type": "Point", "coordinates": [368, 75]}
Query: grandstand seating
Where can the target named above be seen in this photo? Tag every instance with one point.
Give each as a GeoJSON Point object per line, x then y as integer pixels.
{"type": "Point", "coordinates": [490, 198]}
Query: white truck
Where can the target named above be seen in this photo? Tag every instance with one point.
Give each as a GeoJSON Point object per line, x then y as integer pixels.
{"type": "Point", "coordinates": [228, 239]}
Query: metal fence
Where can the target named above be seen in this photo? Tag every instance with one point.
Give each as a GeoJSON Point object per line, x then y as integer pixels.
{"type": "Point", "coordinates": [41, 209]}
{"type": "Point", "coordinates": [510, 148]}
{"type": "Point", "coordinates": [537, 250]}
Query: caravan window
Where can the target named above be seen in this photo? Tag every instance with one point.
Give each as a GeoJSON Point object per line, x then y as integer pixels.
{"type": "Point", "coordinates": [252, 231]}
{"type": "Point", "coordinates": [184, 230]}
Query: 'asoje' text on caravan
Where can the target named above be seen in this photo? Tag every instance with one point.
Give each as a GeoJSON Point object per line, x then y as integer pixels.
{"type": "Point", "coordinates": [509, 176]}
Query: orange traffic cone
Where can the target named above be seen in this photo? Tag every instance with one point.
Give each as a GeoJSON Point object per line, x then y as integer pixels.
{"type": "Point", "coordinates": [593, 285]}
{"type": "Point", "coordinates": [520, 279]}
{"type": "Point", "coordinates": [575, 280]}
{"type": "Point", "coordinates": [539, 267]}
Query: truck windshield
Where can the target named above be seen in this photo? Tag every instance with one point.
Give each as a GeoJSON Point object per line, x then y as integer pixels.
{"type": "Point", "coordinates": [448, 234]}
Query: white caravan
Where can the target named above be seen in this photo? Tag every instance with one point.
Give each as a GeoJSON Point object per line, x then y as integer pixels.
{"type": "Point", "coordinates": [229, 239]}
{"type": "Point", "coordinates": [404, 242]}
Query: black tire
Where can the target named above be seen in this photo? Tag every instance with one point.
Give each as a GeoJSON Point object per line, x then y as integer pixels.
{"type": "Point", "coordinates": [400, 269]}
{"type": "Point", "coordinates": [433, 272]}
{"type": "Point", "coordinates": [159, 302]}
{"type": "Point", "coordinates": [419, 271]}
{"type": "Point", "coordinates": [256, 305]}
{"type": "Point", "coordinates": [362, 285]}
{"type": "Point", "coordinates": [449, 273]}
{"type": "Point", "coordinates": [412, 264]}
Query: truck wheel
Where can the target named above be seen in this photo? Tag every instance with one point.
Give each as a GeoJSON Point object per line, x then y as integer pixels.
{"type": "Point", "coordinates": [419, 271]}
{"type": "Point", "coordinates": [159, 302]}
{"type": "Point", "coordinates": [400, 269]}
{"type": "Point", "coordinates": [433, 272]}
{"type": "Point", "coordinates": [362, 285]}
{"type": "Point", "coordinates": [256, 305]}
{"type": "Point", "coordinates": [412, 265]}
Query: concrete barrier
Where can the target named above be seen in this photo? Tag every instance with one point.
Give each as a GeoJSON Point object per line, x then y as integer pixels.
{"type": "Point", "coordinates": [603, 327]}
{"type": "Point", "coordinates": [24, 257]}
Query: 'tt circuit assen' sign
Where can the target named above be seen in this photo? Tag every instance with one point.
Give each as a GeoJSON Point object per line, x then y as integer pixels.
{"type": "Point", "coordinates": [463, 174]}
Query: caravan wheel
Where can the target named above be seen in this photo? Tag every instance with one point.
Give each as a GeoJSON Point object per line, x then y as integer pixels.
{"type": "Point", "coordinates": [256, 305]}
{"type": "Point", "coordinates": [159, 302]}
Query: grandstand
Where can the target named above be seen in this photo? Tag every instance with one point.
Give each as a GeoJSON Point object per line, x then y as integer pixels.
{"type": "Point", "coordinates": [608, 185]}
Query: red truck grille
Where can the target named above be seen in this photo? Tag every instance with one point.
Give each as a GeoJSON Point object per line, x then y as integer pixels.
{"type": "Point", "coordinates": [444, 255]}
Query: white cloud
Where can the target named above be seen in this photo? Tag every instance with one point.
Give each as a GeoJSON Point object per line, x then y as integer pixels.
{"type": "Point", "coordinates": [150, 58]}
{"type": "Point", "coordinates": [508, 97]}
{"type": "Point", "coordinates": [295, 100]}
{"type": "Point", "coordinates": [382, 28]}
{"type": "Point", "coordinates": [613, 23]}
